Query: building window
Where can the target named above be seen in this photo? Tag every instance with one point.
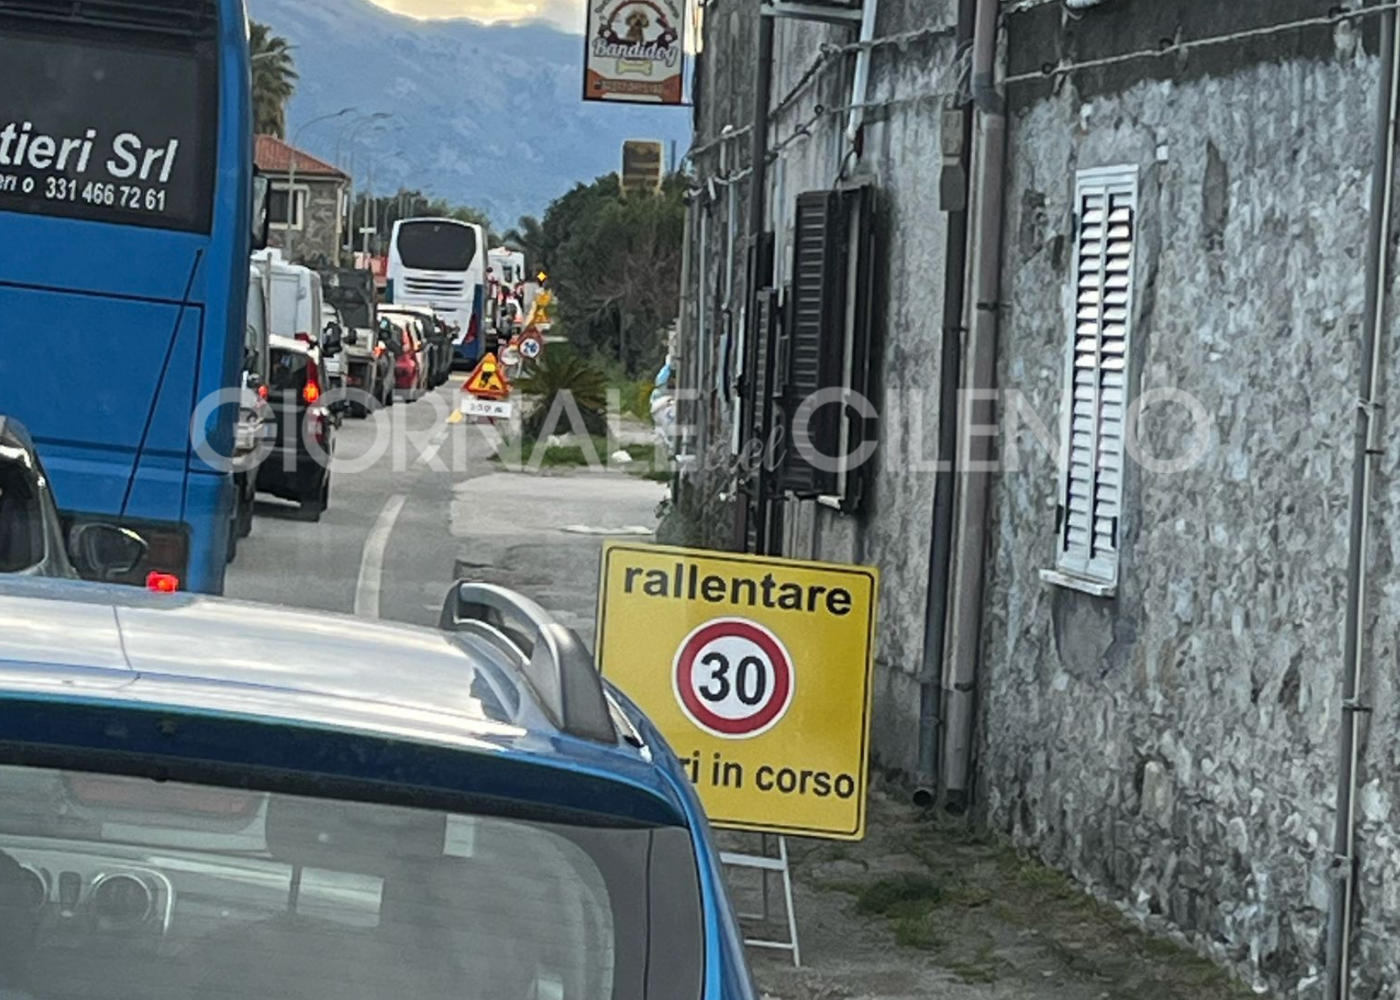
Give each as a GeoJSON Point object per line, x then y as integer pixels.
{"type": "Point", "coordinates": [286, 207]}
{"type": "Point", "coordinates": [1089, 512]}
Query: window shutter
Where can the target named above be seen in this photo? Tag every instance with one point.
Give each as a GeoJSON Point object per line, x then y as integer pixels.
{"type": "Point", "coordinates": [1091, 506]}
{"type": "Point", "coordinates": [816, 333]}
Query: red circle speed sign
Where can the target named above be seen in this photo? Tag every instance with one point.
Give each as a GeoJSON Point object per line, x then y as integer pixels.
{"type": "Point", "coordinates": [733, 678]}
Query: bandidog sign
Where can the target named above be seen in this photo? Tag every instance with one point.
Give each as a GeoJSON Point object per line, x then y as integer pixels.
{"type": "Point", "coordinates": [636, 51]}
{"type": "Point", "coordinates": [758, 673]}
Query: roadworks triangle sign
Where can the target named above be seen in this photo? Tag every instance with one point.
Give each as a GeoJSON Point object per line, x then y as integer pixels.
{"type": "Point", "coordinates": [488, 380]}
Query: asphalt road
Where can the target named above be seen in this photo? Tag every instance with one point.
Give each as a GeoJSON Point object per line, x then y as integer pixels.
{"type": "Point", "coordinates": [417, 502]}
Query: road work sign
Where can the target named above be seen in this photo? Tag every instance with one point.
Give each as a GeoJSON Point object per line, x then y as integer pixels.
{"type": "Point", "coordinates": [487, 380]}
{"type": "Point", "coordinates": [757, 671]}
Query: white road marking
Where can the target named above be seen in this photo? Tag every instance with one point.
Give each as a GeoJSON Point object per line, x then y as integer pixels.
{"type": "Point", "coordinates": [372, 559]}
{"type": "Point", "coordinates": [434, 445]}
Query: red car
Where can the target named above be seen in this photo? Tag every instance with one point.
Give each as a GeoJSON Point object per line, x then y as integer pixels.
{"type": "Point", "coordinates": [410, 371]}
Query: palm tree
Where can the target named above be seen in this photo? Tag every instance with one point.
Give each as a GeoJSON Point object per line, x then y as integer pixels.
{"type": "Point", "coordinates": [274, 80]}
{"type": "Point", "coordinates": [528, 235]}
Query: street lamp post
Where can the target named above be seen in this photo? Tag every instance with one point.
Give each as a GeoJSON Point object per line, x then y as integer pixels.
{"type": "Point", "coordinates": [353, 130]}
{"type": "Point", "coordinates": [292, 174]}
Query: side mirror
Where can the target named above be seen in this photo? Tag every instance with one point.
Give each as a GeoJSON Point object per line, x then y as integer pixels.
{"type": "Point", "coordinates": [331, 340]}
{"type": "Point", "coordinates": [352, 337]}
{"type": "Point", "coordinates": [105, 551]}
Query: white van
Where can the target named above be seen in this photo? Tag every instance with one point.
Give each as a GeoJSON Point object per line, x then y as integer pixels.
{"type": "Point", "coordinates": [296, 306]}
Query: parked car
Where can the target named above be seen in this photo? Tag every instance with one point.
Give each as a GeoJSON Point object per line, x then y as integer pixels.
{"type": "Point", "coordinates": [361, 365]}
{"type": "Point", "coordinates": [512, 318]}
{"type": "Point", "coordinates": [370, 366]}
{"type": "Point", "coordinates": [445, 340]}
{"type": "Point", "coordinates": [31, 534]}
{"type": "Point", "coordinates": [32, 541]}
{"type": "Point", "coordinates": [255, 422]}
{"type": "Point", "coordinates": [245, 800]}
{"type": "Point", "coordinates": [410, 360]}
{"type": "Point", "coordinates": [434, 335]}
{"type": "Point", "coordinates": [298, 468]}
{"type": "Point", "coordinates": [352, 292]}
{"type": "Point", "coordinates": [297, 312]}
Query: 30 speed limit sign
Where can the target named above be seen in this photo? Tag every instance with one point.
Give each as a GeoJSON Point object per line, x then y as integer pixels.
{"type": "Point", "coordinates": [733, 678]}
{"type": "Point", "coordinates": [758, 673]}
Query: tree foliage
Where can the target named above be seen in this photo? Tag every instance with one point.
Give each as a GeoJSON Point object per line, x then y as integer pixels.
{"type": "Point", "coordinates": [561, 380]}
{"type": "Point", "coordinates": [615, 266]}
{"type": "Point", "coordinates": [528, 237]}
{"type": "Point", "coordinates": [274, 80]}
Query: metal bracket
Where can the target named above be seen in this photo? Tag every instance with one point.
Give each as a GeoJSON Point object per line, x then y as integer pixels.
{"type": "Point", "coordinates": [766, 865]}
{"type": "Point", "coordinates": [813, 12]}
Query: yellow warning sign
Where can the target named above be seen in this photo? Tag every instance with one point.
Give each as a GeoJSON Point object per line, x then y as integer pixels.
{"type": "Point", "coordinates": [487, 380]}
{"type": "Point", "coordinates": [758, 672]}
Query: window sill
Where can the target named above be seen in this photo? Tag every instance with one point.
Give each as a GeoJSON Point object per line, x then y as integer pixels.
{"type": "Point", "coordinates": [1095, 588]}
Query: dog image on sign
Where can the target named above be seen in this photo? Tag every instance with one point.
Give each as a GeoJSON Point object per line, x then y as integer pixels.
{"type": "Point", "coordinates": [758, 671]}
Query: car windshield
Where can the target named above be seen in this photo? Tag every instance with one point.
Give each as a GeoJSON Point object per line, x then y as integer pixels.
{"type": "Point", "coordinates": [121, 887]}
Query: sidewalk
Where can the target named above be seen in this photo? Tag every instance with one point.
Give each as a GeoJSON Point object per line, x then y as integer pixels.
{"type": "Point", "coordinates": [542, 534]}
{"type": "Point", "coordinates": [927, 908]}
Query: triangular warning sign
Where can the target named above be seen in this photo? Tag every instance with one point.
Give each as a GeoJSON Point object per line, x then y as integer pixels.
{"type": "Point", "coordinates": [488, 380]}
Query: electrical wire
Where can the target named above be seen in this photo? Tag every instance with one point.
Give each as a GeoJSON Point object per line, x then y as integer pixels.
{"type": "Point", "coordinates": [1167, 48]}
{"type": "Point", "coordinates": [828, 56]}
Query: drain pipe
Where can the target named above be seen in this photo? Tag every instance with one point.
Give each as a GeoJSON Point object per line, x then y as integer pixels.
{"type": "Point", "coordinates": [761, 396]}
{"type": "Point", "coordinates": [1367, 449]}
{"type": "Point", "coordinates": [945, 483]}
{"type": "Point", "coordinates": [979, 411]}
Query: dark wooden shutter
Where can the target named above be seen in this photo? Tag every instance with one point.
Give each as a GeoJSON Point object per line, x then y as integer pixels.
{"type": "Point", "coordinates": [816, 335]}
{"type": "Point", "coordinates": [862, 429]}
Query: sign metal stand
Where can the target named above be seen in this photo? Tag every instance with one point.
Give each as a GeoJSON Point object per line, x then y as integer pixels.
{"type": "Point", "coordinates": [767, 865]}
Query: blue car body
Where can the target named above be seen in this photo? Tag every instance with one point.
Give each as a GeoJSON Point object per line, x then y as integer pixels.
{"type": "Point", "coordinates": [206, 686]}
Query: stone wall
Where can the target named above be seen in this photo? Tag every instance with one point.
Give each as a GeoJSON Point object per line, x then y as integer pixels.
{"type": "Point", "coordinates": [1175, 747]}
{"type": "Point", "coordinates": [901, 144]}
{"type": "Point", "coordinates": [322, 231]}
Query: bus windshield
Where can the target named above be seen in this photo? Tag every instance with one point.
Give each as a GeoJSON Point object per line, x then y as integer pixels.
{"type": "Point", "coordinates": [81, 137]}
{"type": "Point", "coordinates": [436, 246]}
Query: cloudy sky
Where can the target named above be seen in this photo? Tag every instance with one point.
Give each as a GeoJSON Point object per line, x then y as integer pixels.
{"type": "Point", "coordinates": [567, 14]}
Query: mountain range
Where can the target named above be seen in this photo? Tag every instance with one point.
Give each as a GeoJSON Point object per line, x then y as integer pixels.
{"type": "Point", "coordinates": [483, 115]}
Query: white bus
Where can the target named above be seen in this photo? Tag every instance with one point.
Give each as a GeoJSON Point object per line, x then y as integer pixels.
{"type": "Point", "coordinates": [441, 264]}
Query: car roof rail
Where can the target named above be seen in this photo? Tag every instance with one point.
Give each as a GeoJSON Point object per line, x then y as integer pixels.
{"type": "Point", "coordinates": [554, 659]}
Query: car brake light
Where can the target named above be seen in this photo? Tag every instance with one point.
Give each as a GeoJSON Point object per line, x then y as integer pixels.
{"type": "Point", "coordinates": [262, 392]}
{"type": "Point", "coordinates": [162, 583]}
{"type": "Point", "coordinates": [311, 391]}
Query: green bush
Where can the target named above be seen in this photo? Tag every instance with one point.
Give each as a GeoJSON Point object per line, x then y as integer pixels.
{"type": "Point", "coordinates": [559, 373]}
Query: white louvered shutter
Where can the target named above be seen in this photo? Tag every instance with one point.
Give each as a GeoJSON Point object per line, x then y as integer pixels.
{"type": "Point", "coordinates": [1091, 500]}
